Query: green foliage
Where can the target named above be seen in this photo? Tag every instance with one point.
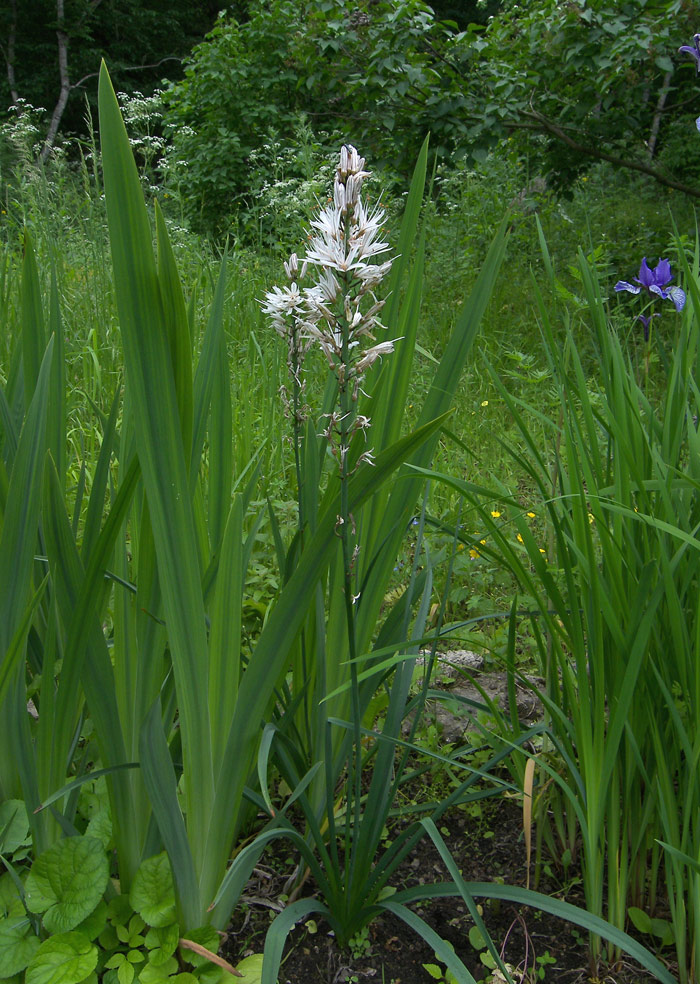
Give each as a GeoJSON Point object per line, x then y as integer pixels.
{"type": "Point", "coordinates": [66, 882]}
{"type": "Point", "coordinates": [152, 893]}
{"type": "Point", "coordinates": [617, 481]}
{"type": "Point", "coordinates": [587, 78]}
{"type": "Point", "coordinates": [363, 71]}
{"type": "Point", "coordinates": [80, 935]}
{"type": "Point", "coordinates": [86, 636]}
{"type": "Point", "coordinates": [66, 958]}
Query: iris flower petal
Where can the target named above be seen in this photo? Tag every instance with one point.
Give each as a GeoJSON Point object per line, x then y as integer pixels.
{"type": "Point", "coordinates": [646, 277]}
{"type": "Point", "coordinates": [693, 51]}
{"type": "Point", "coordinates": [677, 295]}
{"type": "Point", "coordinates": [662, 273]}
{"type": "Point", "coordinates": [623, 285]}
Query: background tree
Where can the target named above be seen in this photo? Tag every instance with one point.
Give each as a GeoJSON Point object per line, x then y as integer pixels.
{"type": "Point", "coordinates": [569, 82]}
{"type": "Point", "coordinates": [593, 80]}
{"type": "Point", "coordinates": [52, 50]}
{"type": "Point", "coordinates": [369, 72]}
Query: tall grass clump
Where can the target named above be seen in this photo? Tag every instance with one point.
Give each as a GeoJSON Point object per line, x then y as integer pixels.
{"type": "Point", "coordinates": [615, 597]}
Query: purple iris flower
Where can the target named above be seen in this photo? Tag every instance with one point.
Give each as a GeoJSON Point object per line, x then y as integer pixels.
{"type": "Point", "coordinates": [655, 282]}
{"type": "Point", "coordinates": [693, 50]}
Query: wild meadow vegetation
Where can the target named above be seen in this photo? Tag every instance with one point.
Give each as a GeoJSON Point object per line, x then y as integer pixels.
{"type": "Point", "coordinates": [278, 430]}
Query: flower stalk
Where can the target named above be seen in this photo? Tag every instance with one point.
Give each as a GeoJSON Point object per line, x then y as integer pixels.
{"type": "Point", "coordinates": [339, 313]}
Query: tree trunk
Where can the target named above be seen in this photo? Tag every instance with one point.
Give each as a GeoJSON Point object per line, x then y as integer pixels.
{"type": "Point", "coordinates": [656, 123]}
{"type": "Point", "coordinates": [60, 106]}
{"type": "Point", "coordinates": [10, 53]}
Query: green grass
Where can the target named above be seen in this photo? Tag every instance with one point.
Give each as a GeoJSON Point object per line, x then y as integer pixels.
{"type": "Point", "coordinates": [617, 218]}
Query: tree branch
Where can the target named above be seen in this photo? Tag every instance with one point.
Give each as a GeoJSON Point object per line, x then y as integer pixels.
{"type": "Point", "coordinates": [540, 122]}
{"type": "Point", "coordinates": [127, 68]}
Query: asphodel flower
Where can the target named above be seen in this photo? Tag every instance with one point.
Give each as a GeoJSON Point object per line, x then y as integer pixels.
{"type": "Point", "coordinates": [339, 310]}
{"type": "Point", "coordinates": [347, 240]}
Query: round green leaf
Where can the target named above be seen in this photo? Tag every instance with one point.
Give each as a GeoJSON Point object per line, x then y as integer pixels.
{"type": "Point", "coordinates": [18, 944]}
{"type": "Point", "coordinates": [100, 826]}
{"type": "Point", "coordinates": [13, 816]}
{"type": "Point", "coordinates": [10, 902]}
{"type": "Point", "coordinates": [207, 937]}
{"type": "Point", "coordinates": [162, 942]}
{"type": "Point", "coordinates": [93, 926]}
{"type": "Point", "coordinates": [152, 894]}
{"type": "Point", "coordinates": [251, 968]}
{"type": "Point", "coordinates": [67, 958]}
{"type": "Point", "coordinates": [66, 882]}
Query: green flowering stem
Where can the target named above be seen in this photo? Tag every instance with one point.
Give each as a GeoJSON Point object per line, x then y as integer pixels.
{"type": "Point", "coordinates": [345, 523]}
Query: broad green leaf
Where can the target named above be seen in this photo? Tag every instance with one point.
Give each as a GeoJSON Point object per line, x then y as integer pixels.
{"type": "Point", "coordinates": [162, 943]}
{"type": "Point", "coordinates": [251, 969]}
{"type": "Point", "coordinates": [125, 972]}
{"type": "Point", "coordinates": [152, 894]}
{"type": "Point", "coordinates": [10, 902]}
{"type": "Point", "coordinates": [14, 826]}
{"type": "Point", "coordinates": [66, 882]}
{"type": "Point", "coordinates": [67, 958]}
{"type": "Point", "coordinates": [205, 936]}
{"type": "Point", "coordinates": [95, 922]}
{"type": "Point", "coordinates": [100, 827]}
{"type": "Point", "coordinates": [18, 944]}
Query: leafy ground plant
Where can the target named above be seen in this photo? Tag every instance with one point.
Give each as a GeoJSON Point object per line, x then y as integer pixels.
{"type": "Point", "coordinates": [66, 921]}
